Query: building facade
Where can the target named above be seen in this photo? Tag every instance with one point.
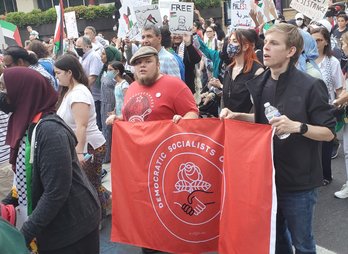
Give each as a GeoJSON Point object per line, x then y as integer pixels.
{"type": "Point", "coordinates": [29, 5]}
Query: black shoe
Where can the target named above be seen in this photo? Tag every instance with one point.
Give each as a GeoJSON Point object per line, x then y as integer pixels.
{"type": "Point", "coordinates": [335, 148]}
{"type": "Point", "coordinates": [326, 182]}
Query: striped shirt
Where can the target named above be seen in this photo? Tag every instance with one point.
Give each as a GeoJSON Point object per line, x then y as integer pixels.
{"type": "Point", "coordinates": [168, 63]}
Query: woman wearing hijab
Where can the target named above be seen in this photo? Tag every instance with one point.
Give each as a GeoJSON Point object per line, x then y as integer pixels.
{"type": "Point", "coordinates": [306, 61]}
{"type": "Point", "coordinates": [77, 109]}
{"type": "Point", "coordinates": [109, 54]}
{"type": "Point", "coordinates": [62, 204]}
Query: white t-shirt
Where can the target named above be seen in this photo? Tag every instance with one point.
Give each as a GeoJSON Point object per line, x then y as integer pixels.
{"type": "Point", "coordinates": [80, 93]}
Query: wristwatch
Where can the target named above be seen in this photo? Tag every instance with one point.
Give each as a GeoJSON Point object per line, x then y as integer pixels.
{"type": "Point", "coordinates": [303, 128]}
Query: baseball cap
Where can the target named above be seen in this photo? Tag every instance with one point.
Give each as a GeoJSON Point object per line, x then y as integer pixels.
{"type": "Point", "coordinates": [144, 51]}
{"type": "Point", "coordinates": [299, 16]}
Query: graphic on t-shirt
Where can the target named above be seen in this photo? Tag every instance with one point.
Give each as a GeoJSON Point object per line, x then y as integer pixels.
{"type": "Point", "coordinates": [138, 107]}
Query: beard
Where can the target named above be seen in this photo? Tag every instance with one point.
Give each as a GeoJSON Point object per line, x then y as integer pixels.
{"type": "Point", "coordinates": [147, 81]}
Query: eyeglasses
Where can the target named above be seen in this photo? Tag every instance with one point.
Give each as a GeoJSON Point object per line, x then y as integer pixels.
{"type": "Point", "coordinates": [209, 31]}
{"type": "Point", "coordinates": [300, 19]}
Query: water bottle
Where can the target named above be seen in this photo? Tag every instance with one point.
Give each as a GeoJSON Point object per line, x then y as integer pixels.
{"type": "Point", "coordinates": [271, 112]}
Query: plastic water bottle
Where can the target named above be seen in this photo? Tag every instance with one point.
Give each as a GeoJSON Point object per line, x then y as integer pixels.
{"type": "Point", "coordinates": [271, 112]}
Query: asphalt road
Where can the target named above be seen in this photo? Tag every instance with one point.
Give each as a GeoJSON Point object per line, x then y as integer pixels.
{"type": "Point", "coordinates": [331, 214]}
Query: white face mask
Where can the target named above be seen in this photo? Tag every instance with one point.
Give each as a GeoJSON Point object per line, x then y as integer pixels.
{"type": "Point", "coordinates": [299, 23]}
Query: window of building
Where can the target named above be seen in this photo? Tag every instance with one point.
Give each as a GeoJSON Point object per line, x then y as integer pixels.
{"type": "Point", "coordinates": [7, 6]}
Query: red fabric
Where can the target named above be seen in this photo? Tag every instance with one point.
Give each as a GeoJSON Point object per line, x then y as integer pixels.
{"type": "Point", "coordinates": [168, 183]}
{"type": "Point", "coordinates": [30, 93]}
{"type": "Point", "coordinates": [167, 97]}
{"type": "Point", "coordinates": [246, 222]}
{"type": "Point", "coordinates": [8, 213]}
{"type": "Point", "coordinates": [17, 38]}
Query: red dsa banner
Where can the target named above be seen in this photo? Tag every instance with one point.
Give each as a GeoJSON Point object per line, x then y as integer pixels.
{"type": "Point", "coordinates": [169, 184]}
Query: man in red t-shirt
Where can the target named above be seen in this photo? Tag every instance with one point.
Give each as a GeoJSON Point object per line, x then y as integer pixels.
{"type": "Point", "coordinates": [154, 96]}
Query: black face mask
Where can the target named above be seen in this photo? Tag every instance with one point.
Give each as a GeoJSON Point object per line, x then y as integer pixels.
{"type": "Point", "coordinates": [4, 105]}
{"type": "Point", "coordinates": [80, 52]}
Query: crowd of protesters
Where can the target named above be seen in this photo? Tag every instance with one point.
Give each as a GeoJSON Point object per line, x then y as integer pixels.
{"type": "Point", "coordinates": [56, 114]}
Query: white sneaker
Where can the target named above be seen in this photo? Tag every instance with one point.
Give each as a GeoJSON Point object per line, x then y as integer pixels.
{"type": "Point", "coordinates": [343, 193]}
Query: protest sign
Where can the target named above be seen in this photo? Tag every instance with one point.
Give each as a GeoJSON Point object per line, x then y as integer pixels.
{"type": "Point", "coordinates": [164, 6]}
{"type": "Point", "coordinates": [148, 14]}
{"type": "Point", "coordinates": [71, 25]}
{"type": "Point", "coordinates": [313, 9]}
{"type": "Point", "coordinates": [181, 18]}
{"type": "Point", "coordinates": [240, 14]}
{"type": "Point", "coordinates": [128, 20]}
{"type": "Point", "coordinates": [246, 14]}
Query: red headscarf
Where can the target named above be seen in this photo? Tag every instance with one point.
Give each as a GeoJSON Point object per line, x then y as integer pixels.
{"type": "Point", "coordinates": [29, 94]}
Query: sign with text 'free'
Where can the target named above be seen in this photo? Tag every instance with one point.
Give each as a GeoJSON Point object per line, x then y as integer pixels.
{"type": "Point", "coordinates": [181, 18]}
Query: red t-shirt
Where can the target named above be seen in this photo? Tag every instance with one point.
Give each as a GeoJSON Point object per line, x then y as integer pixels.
{"type": "Point", "coordinates": [167, 97]}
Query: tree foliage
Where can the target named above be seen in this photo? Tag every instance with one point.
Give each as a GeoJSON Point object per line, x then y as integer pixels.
{"type": "Point", "coordinates": [38, 17]}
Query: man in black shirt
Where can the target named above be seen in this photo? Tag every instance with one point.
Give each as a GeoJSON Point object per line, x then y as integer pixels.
{"type": "Point", "coordinates": [302, 101]}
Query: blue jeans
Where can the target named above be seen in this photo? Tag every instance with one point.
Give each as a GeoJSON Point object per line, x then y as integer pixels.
{"type": "Point", "coordinates": [294, 222]}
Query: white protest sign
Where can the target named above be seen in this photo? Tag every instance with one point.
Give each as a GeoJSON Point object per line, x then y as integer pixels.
{"type": "Point", "coordinates": [165, 6]}
{"type": "Point", "coordinates": [148, 14]}
{"type": "Point", "coordinates": [181, 18]}
{"type": "Point", "coordinates": [240, 14]}
{"type": "Point", "coordinates": [313, 9]}
{"type": "Point", "coordinates": [268, 9]}
{"type": "Point", "coordinates": [71, 25]}
{"type": "Point", "coordinates": [127, 18]}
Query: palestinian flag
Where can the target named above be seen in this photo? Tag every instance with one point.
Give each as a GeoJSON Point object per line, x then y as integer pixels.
{"type": "Point", "coordinates": [10, 34]}
{"type": "Point", "coordinates": [59, 31]}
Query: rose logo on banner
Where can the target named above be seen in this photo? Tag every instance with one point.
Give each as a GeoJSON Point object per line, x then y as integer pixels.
{"type": "Point", "coordinates": [191, 180]}
{"type": "Point", "coordinates": [185, 179]}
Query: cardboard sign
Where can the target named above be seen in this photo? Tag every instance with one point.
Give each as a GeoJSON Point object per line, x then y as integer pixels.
{"type": "Point", "coordinates": [128, 20]}
{"type": "Point", "coordinates": [181, 18]}
{"type": "Point", "coordinates": [246, 14]}
{"type": "Point", "coordinates": [165, 6]}
{"type": "Point", "coordinates": [149, 14]}
{"type": "Point", "coordinates": [71, 25]}
{"type": "Point", "coordinates": [313, 9]}
{"type": "Point", "coordinates": [240, 14]}
{"type": "Point", "coordinates": [266, 8]}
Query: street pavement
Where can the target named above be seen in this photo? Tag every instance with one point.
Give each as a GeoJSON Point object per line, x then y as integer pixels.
{"type": "Point", "coordinates": [330, 219]}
